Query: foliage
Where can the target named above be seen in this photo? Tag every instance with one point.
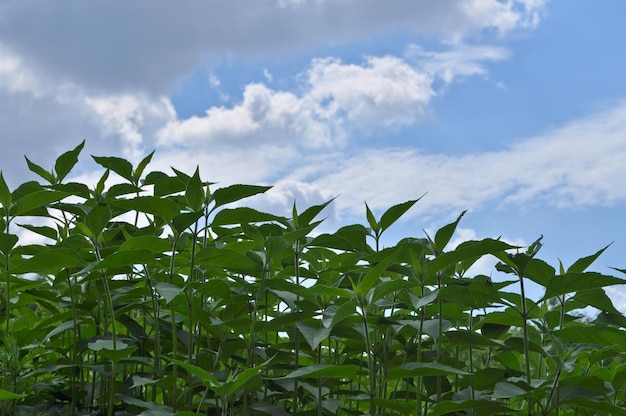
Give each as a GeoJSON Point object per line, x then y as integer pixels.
{"type": "Point", "coordinates": [160, 295]}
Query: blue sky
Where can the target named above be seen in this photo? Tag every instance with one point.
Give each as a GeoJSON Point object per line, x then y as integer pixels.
{"type": "Point", "coordinates": [514, 110]}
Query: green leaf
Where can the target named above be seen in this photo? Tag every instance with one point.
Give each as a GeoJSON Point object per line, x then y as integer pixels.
{"type": "Point", "coordinates": [460, 337]}
{"type": "Point", "coordinates": [242, 215]}
{"type": "Point", "coordinates": [163, 184]}
{"type": "Point", "coordinates": [50, 261]}
{"type": "Point", "coordinates": [348, 238]}
{"type": "Point", "coordinates": [40, 171]}
{"type": "Point", "coordinates": [7, 395]}
{"type": "Point", "coordinates": [311, 212]}
{"type": "Point", "coordinates": [421, 369]}
{"type": "Point", "coordinates": [141, 166]}
{"type": "Point", "coordinates": [207, 378]}
{"type": "Point", "coordinates": [347, 371]}
{"type": "Point", "coordinates": [122, 189]}
{"type": "Point", "coordinates": [595, 405]}
{"type": "Point", "coordinates": [97, 219]}
{"type": "Point", "coordinates": [7, 242]}
{"type": "Point", "coordinates": [225, 258]}
{"type": "Point", "coordinates": [575, 282]}
{"type": "Point", "coordinates": [66, 162]}
{"type": "Point", "coordinates": [194, 192]}
{"type": "Point", "coordinates": [334, 314]}
{"type": "Point", "coordinates": [45, 231]}
{"type": "Point", "coordinates": [232, 193]}
{"type": "Point", "coordinates": [101, 183]}
{"type": "Point", "coordinates": [38, 199]}
{"type": "Point", "coordinates": [467, 250]}
{"type": "Point", "coordinates": [185, 220]}
{"type": "Point", "coordinates": [244, 379]}
{"type": "Point", "coordinates": [167, 291]}
{"type": "Point", "coordinates": [371, 220]}
{"type": "Point", "coordinates": [374, 274]}
{"type": "Point", "coordinates": [581, 264]}
{"type": "Point", "coordinates": [481, 407]}
{"type": "Point", "coordinates": [313, 336]}
{"type": "Point", "coordinates": [159, 207]}
{"type": "Point", "coordinates": [118, 165]}
{"type": "Point", "coordinates": [394, 213]}
{"type": "Point", "coordinates": [444, 234]}
{"type": "Point", "coordinates": [146, 242]}
{"type": "Point", "coordinates": [5, 193]}
{"type": "Point", "coordinates": [125, 258]}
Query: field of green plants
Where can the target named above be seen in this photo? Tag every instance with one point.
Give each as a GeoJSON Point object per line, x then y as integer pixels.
{"type": "Point", "coordinates": [165, 295]}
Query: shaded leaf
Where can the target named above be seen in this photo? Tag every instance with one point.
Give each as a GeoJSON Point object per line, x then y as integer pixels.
{"type": "Point", "coordinates": [66, 162]}
{"type": "Point", "coordinates": [232, 193]}
{"type": "Point", "coordinates": [420, 369]}
{"type": "Point", "coordinates": [118, 165]}
{"type": "Point", "coordinates": [347, 371]}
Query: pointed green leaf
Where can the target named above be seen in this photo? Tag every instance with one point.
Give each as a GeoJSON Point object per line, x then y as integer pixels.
{"type": "Point", "coordinates": [394, 213]}
{"type": "Point", "coordinates": [5, 193]}
{"type": "Point", "coordinates": [225, 258]}
{"type": "Point", "coordinates": [575, 282]}
{"type": "Point", "coordinates": [7, 395]}
{"type": "Point", "coordinates": [334, 314]}
{"type": "Point", "coordinates": [40, 171]}
{"type": "Point", "coordinates": [43, 230]}
{"type": "Point", "coordinates": [467, 250]}
{"type": "Point", "coordinates": [421, 369]}
{"type": "Point", "coordinates": [481, 407]}
{"type": "Point", "coordinates": [147, 242]}
{"type": "Point", "coordinates": [50, 261]}
{"type": "Point", "coordinates": [371, 220]}
{"type": "Point", "coordinates": [122, 189]}
{"type": "Point", "coordinates": [194, 193]}
{"type": "Point", "coordinates": [118, 165]}
{"type": "Point", "coordinates": [581, 264]}
{"type": "Point", "coordinates": [185, 220]}
{"type": "Point", "coordinates": [347, 371]}
{"type": "Point", "coordinates": [163, 184]}
{"type": "Point", "coordinates": [167, 291]}
{"type": "Point", "coordinates": [7, 242]}
{"type": "Point", "coordinates": [159, 207]}
{"type": "Point", "coordinates": [242, 215]}
{"type": "Point", "coordinates": [207, 378]}
{"type": "Point", "coordinates": [38, 199]}
{"type": "Point", "coordinates": [244, 379]}
{"type": "Point", "coordinates": [98, 218]}
{"type": "Point", "coordinates": [125, 258]}
{"type": "Point", "coordinates": [232, 193]}
{"type": "Point", "coordinates": [372, 276]}
{"type": "Point", "coordinates": [444, 234]}
{"type": "Point", "coordinates": [66, 162]}
{"type": "Point", "coordinates": [313, 336]}
{"type": "Point", "coordinates": [310, 213]}
{"type": "Point", "coordinates": [141, 167]}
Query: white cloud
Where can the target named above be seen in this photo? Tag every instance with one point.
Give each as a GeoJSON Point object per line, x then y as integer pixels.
{"type": "Point", "coordinates": [115, 46]}
{"type": "Point", "coordinates": [383, 92]}
{"type": "Point", "coordinates": [578, 164]}
{"type": "Point", "coordinates": [127, 116]}
{"type": "Point", "coordinates": [461, 61]}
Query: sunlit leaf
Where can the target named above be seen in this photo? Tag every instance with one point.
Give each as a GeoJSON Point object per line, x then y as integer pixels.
{"type": "Point", "coordinates": [394, 213]}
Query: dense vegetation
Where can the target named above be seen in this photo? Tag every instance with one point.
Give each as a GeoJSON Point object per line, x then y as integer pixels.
{"type": "Point", "coordinates": [158, 296]}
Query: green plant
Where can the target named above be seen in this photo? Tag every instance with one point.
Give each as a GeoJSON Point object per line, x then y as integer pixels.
{"type": "Point", "coordinates": [158, 294]}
